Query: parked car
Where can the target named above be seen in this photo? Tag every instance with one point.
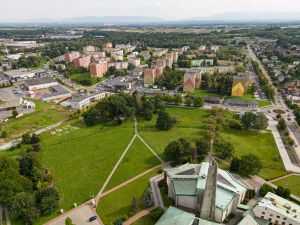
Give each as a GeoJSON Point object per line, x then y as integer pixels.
{"type": "Point", "coordinates": [91, 219]}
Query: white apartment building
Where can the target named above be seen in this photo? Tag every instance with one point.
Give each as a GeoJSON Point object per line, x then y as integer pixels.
{"type": "Point", "coordinates": [80, 101]}
{"type": "Point", "coordinates": [277, 210]}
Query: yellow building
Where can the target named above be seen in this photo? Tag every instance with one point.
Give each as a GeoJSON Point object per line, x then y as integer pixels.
{"type": "Point", "coordinates": [238, 90]}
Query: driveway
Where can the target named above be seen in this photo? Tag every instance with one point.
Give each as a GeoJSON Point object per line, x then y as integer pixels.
{"type": "Point", "coordinates": [79, 217]}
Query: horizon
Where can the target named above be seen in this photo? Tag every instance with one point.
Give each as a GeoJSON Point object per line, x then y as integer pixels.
{"type": "Point", "coordinates": [168, 9]}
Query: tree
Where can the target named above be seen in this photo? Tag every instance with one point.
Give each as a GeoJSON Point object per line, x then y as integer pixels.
{"type": "Point", "coordinates": [164, 121]}
{"type": "Point", "coordinates": [235, 164]}
{"type": "Point", "coordinates": [283, 192]}
{"type": "Point", "coordinates": [177, 150]}
{"type": "Point", "coordinates": [248, 119]}
{"type": "Point", "coordinates": [47, 200]}
{"type": "Point", "coordinates": [188, 101]}
{"type": "Point", "coordinates": [203, 147]}
{"type": "Point", "coordinates": [14, 113]}
{"type": "Point", "coordinates": [148, 198]}
{"type": "Point", "coordinates": [36, 147]}
{"type": "Point", "coordinates": [134, 204]}
{"type": "Point", "coordinates": [31, 167]}
{"type": "Point", "coordinates": [148, 109]}
{"type": "Point", "coordinates": [281, 125]}
{"type": "Point", "coordinates": [198, 101]}
{"type": "Point", "coordinates": [26, 139]}
{"type": "Point", "coordinates": [4, 134]}
{"type": "Point", "coordinates": [250, 164]}
{"type": "Point", "coordinates": [223, 148]}
{"type": "Point", "coordinates": [156, 214]}
{"type": "Point", "coordinates": [260, 122]}
{"type": "Point", "coordinates": [23, 208]}
{"type": "Point", "coordinates": [11, 181]}
{"type": "Point", "coordinates": [68, 221]}
{"type": "Point", "coordinates": [177, 99]}
{"type": "Point", "coordinates": [34, 139]}
{"type": "Point", "coordinates": [118, 222]}
{"type": "Point", "coordinates": [265, 188]}
{"type": "Point", "coordinates": [235, 124]}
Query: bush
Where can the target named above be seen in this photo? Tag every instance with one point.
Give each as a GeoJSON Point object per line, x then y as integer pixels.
{"type": "Point", "coordinates": [124, 218]}
{"type": "Point", "coordinates": [265, 189]}
{"type": "Point", "coordinates": [4, 134]}
{"type": "Point", "coordinates": [156, 214]}
{"type": "Point", "coordinates": [234, 124]}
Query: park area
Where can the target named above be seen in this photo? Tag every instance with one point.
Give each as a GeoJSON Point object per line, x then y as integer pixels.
{"type": "Point", "coordinates": [191, 124]}
{"type": "Point", "coordinates": [85, 79]}
{"type": "Point", "coordinates": [117, 205]}
{"type": "Point", "coordinates": [291, 182]}
{"type": "Point", "coordinates": [45, 114]}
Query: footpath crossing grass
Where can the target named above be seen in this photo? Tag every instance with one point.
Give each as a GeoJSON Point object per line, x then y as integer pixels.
{"type": "Point", "coordinates": [137, 160]}
{"type": "Point", "coordinates": [45, 115]}
{"type": "Point", "coordinates": [118, 203]}
{"type": "Point", "coordinates": [191, 124]}
{"type": "Point", "coordinates": [81, 158]}
{"type": "Point", "coordinates": [291, 182]}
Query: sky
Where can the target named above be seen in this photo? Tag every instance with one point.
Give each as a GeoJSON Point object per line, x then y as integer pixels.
{"type": "Point", "coordinates": [167, 9]}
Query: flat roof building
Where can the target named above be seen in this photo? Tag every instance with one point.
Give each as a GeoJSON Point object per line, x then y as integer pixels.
{"type": "Point", "coordinates": [79, 101]}
{"type": "Point", "coordinates": [277, 210]}
{"type": "Point", "coordinates": [20, 74]}
{"type": "Point", "coordinates": [40, 83]}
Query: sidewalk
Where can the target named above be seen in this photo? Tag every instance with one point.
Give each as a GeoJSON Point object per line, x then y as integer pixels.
{"type": "Point", "coordinates": [10, 144]}
{"type": "Point", "coordinates": [289, 166]}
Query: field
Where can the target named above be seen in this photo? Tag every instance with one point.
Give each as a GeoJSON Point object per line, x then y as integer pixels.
{"type": "Point", "coordinates": [138, 159]}
{"type": "Point", "coordinates": [85, 76]}
{"type": "Point", "coordinates": [291, 182]}
{"type": "Point", "coordinates": [190, 125]}
{"type": "Point", "coordinates": [81, 159]}
{"type": "Point", "coordinates": [118, 203]}
{"type": "Point", "coordinates": [45, 115]}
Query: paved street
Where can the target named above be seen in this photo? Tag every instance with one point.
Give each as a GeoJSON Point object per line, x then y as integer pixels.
{"type": "Point", "coordinates": [79, 216]}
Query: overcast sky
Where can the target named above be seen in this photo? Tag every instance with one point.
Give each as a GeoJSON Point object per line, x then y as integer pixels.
{"type": "Point", "coordinates": [168, 9]}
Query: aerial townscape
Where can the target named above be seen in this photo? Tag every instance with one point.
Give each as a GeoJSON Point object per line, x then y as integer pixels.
{"type": "Point", "coordinates": [187, 115]}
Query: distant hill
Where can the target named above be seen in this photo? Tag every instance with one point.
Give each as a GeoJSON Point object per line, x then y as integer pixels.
{"type": "Point", "coordinates": [116, 20]}
{"type": "Point", "coordinates": [251, 17]}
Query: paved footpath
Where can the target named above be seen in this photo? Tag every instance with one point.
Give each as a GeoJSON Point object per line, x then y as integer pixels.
{"type": "Point", "coordinates": [137, 216]}
{"type": "Point", "coordinates": [289, 166]}
{"type": "Point", "coordinates": [285, 176]}
{"type": "Point", "coordinates": [8, 145]}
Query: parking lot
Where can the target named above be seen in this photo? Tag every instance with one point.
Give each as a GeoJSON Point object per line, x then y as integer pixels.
{"type": "Point", "coordinates": [79, 216]}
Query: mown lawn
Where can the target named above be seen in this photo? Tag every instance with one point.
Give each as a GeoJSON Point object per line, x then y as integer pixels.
{"type": "Point", "coordinates": [146, 220]}
{"type": "Point", "coordinates": [190, 125]}
{"type": "Point", "coordinates": [118, 203]}
{"type": "Point", "coordinates": [292, 183]}
{"type": "Point", "coordinates": [45, 115]}
{"type": "Point", "coordinates": [81, 159]}
{"type": "Point", "coordinates": [85, 76]}
{"type": "Point", "coordinates": [137, 160]}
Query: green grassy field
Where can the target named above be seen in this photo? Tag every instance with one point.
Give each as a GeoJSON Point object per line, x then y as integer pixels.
{"type": "Point", "coordinates": [81, 159]}
{"type": "Point", "coordinates": [291, 183]}
{"type": "Point", "coordinates": [138, 159]}
{"type": "Point", "coordinates": [190, 125]}
{"type": "Point", "coordinates": [146, 220]}
{"type": "Point", "coordinates": [45, 115]}
{"type": "Point", "coordinates": [118, 203]}
{"type": "Point", "coordinates": [87, 76]}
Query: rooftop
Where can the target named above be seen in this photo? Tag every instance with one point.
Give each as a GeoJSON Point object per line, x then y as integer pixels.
{"type": "Point", "coordinates": [174, 216]}
{"type": "Point", "coordinates": [281, 206]}
{"type": "Point", "coordinates": [39, 81]}
{"type": "Point", "coordinates": [189, 178]}
{"type": "Point", "coordinates": [83, 96]}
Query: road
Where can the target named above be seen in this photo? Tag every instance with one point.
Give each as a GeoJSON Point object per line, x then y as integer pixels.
{"type": "Point", "coordinates": [288, 116]}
